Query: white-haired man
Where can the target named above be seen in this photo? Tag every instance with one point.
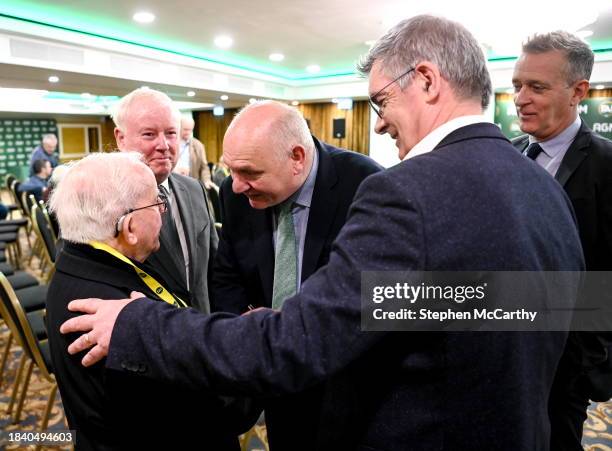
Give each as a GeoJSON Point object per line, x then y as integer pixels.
{"type": "Point", "coordinates": [110, 213]}
{"type": "Point", "coordinates": [191, 159]}
{"type": "Point", "coordinates": [148, 122]}
{"type": "Point", "coordinates": [45, 151]}
{"type": "Point", "coordinates": [456, 203]}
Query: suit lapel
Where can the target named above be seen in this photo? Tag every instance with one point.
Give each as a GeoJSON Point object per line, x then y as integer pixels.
{"type": "Point", "coordinates": [184, 205]}
{"type": "Point", "coordinates": [574, 155]}
{"type": "Point", "coordinates": [263, 250]}
{"type": "Point", "coordinates": [322, 212]}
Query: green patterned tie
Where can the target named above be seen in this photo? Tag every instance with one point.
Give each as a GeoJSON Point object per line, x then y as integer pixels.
{"type": "Point", "coordinates": [285, 261]}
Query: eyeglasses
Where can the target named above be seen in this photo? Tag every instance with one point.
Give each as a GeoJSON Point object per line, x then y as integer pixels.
{"type": "Point", "coordinates": [162, 204]}
{"type": "Point", "coordinates": [378, 109]}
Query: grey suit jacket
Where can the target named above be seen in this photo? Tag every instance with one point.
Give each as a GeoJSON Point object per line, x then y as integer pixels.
{"type": "Point", "coordinates": [202, 241]}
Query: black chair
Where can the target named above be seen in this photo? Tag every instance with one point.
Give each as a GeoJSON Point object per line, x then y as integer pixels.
{"type": "Point", "coordinates": [214, 203]}
{"type": "Point", "coordinates": [28, 330]}
{"type": "Point", "coordinates": [8, 181]}
{"type": "Point", "coordinates": [44, 235]}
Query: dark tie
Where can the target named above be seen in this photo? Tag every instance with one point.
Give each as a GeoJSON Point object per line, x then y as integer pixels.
{"type": "Point", "coordinates": [285, 261]}
{"type": "Point", "coordinates": [533, 151]}
{"type": "Point", "coordinates": [169, 226]}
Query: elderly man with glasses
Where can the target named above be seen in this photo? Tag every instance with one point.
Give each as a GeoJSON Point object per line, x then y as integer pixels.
{"type": "Point", "coordinates": [110, 214]}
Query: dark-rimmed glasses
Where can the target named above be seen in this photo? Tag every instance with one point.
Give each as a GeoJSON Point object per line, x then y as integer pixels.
{"type": "Point", "coordinates": [371, 100]}
{"type": "Point", "coordinates": [162, 204]}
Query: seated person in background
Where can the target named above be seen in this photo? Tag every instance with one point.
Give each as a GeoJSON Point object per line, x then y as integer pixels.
{"type": "Point", "coordinates": [109, 211]}
{"type": "Point", "coordinates": [45, 151]}
{"type": "Point", "coordinates": [37, 184]}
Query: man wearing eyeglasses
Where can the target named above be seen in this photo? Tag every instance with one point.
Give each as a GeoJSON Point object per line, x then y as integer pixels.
{"type": "Point", "coordinates": [148, 122]}
{"type": "Point", "coordinates": [456, 203]}
{"type": "Point", "coordinates": [110, 213]}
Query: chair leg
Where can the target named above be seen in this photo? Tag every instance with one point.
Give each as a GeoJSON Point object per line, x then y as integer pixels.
{"type": "Point", "coordinates": [16, 384]}
{"type": "Point", "coordinates": [5, 354]}
{"type": "Point", "coordinates": [47, 414]}
{"type": "Point", "coordinates": [24, 392]}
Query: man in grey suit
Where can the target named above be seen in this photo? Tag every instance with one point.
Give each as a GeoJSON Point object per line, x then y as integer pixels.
{"type": "Point", "coordinates": [456, 203]}
{"type": "Point", "coordinates": [147, 121]}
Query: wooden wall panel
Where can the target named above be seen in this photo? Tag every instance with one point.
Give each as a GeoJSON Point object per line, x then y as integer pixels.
{"type": "Point", "coordinates": [321, 117]}
{"type": "Point", "coordinates": [210, 130]}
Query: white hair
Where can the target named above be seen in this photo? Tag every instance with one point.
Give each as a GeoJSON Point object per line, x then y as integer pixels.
{"type": "Point", "coordinates": [96, 191]}
{"type": "Point", "coordinates": [121, 109]}
{"type": "Point", "coordinates": [289, 127]}
{"type": "Point", "coordinates": [187, 118]}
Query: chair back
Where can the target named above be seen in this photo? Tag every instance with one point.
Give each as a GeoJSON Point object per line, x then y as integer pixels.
{"type": "Point", "coordinates": [17, 197]}
{"type": "Point", "coordinates": [15, 317]}
{"type": "Point", "coordinates": [215, 203]}
{"type": "Point", "coordinates": [44, 231]}
{"type": "Point", "coordinates": [51, 220]}
{"type": "Point", "coordinates": [8, 181]}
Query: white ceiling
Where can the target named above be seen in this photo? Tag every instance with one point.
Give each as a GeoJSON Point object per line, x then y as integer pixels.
{"type": "Point", "coordinates": [330, 33]}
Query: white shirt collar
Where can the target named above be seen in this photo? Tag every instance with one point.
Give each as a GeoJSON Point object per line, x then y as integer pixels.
{"type": "Point", "coordinates": [434, 137]}
{"type": "Point", "coordinates": [166, 185]}
{"type": "Point", "coordinates": [562, 141]}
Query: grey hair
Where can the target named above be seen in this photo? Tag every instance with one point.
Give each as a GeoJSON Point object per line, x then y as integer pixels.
{"type": "Point", "coordinates": [121, 108]}
{"type": "Point", "coordinates": [95, 191]}
{"type": "Point", "coordinates": [289, 127]}
{"type": "Point", "coordinates": [49, 137]}
{"type": "Point", "coordinates": [579, 56]}
{"type": "Point", "coordinates": [188, 118]}
{"type": "Point", "coordinates": [448, 44]}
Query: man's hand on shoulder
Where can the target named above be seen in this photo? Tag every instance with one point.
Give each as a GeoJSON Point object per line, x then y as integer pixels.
{"type": "Point", "coordinates": [97, 322]}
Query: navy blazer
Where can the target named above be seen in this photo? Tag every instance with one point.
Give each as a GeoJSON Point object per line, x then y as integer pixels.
{"type": "Point", "coordinates": [460, 207]}
{"type": "Point", "coordinates": [244, 272]}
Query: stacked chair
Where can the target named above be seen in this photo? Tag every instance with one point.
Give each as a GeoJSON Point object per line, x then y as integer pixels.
{"type": "Point", "coordinates": [23, 300]}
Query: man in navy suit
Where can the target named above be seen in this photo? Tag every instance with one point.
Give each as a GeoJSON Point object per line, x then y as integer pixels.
{"type": "Point", "coordinates": [275, 161]}
{"type": "Point", "coordinates": [456, 203]}
{"type": "Point", "coordinates": [550, 79]}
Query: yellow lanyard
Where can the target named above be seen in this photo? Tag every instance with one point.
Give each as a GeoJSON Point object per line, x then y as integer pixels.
{"type": "Point", "coordinates": [153, 284]}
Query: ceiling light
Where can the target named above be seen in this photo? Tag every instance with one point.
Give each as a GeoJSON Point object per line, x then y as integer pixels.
{"type": "Point", "coordinates": [313, 69]}
{"type": "Point", "coordinates": [276, 57]}
{"type": "Point", "coordinates": [224, 97]}
{"type": "Point", "coordinates": [600, 86]}
{"type": "Point", "coordinates": [218, 110]}
{"type": "Point", "coordinates": [53, 79]}
{"type": "Point", "coordinates": [86, 95]}
{"type": "Point", "coordinates": [584, 34]}
{"type": "Point", "coordinates": [190, 93]}
{"type": "Point", "coordinates": [223, 42]}
{"type": "Point", "coordinates": [252, 100]}
{"type": "Point", "coordinates": [144, 87]}
{"type": "Point", "coordinates": [144, 17]}
{"type": "Point", "coordinates": [295, 103]}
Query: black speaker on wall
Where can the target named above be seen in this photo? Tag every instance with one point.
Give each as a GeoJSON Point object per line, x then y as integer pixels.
{"type": "Point", "coordinates": [339, 128]}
